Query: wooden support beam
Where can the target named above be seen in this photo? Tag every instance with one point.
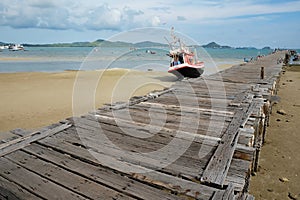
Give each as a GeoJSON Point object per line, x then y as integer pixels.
{"type": "Point", "coordinates": [21, 142]}
{"type": "Point", "coordinates": [216, 171]}
{"type": "Point", "coordinates": [262, 73]}
{"type": "Point", "coordinates": [227, 194]}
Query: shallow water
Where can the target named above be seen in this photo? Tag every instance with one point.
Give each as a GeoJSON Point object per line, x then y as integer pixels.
{"type": "Point", "coordinates": [55, 59]}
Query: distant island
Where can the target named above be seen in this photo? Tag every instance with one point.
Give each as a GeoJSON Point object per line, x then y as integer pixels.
{"type": "Point", "coordinates": [214, 45]}
{"type": "Point", "coordinates": [105, 43]}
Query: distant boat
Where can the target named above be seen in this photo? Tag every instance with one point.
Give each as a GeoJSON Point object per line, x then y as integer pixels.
{"type": "Point", "coordinates": [16, 47]}
{"type": "Point", "coordinates": [184, 62]}
{"type": "Point", "coordinates": [3, 47]}
{"type": "Point", "coordinates": [151, 52]}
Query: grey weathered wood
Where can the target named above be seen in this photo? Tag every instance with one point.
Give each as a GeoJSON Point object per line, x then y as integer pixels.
{"type": "Point", "coordinates": [187, 109]}
{"type": "Point", "coordinates": [153, 145]}
{"type": "Point", "coordinates": [227, 194]}
{"type": "Point", "coordinates": [133, 101]}
{"type": "Point", "coordinates": [29, 138]}
{"type": "Point", "coordinates": [247, 137]}
{"type": "Point", "coordinates": [249, 197]}
{"type": "Point", "coordinates": [77, 161]}
{"type": "Point", "coordinates": [8, 139]}
{"type": "Point", "coordinates": [10, 190]}
{"type": "Point", "coordinates": [217, 168]}
{"type": "Point", "coordinates": [155, 128]}
{"type": "Point", "coordinates": [34, 183]}
{"type": "Point", "coordinates": [190, 122]}
{"type": "Point", "coordinates": [69, 180]}
{"type": "Point", "coordinates": [132, 161]}
{"type": "Point", "coordinates": [20, 132]}
{"type": "Point", "coordinates": [186, 166]}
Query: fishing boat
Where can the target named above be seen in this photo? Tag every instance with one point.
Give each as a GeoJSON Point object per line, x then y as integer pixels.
{"type": "Point", "coordinates": [16, 47]}
{"type": "Point", "coordinates": [183, 61]}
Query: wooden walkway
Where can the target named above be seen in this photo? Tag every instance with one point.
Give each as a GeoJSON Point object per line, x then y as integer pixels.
{"type": "Point", "coordinates": [199, 139]}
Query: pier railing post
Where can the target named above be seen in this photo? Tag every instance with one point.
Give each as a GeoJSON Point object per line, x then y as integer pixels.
{"type": "Point", "coordinates": [262, 73]}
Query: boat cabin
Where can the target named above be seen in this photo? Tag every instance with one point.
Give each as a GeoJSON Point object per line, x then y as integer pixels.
{"type": "Point", "coordinates": [182, 58]}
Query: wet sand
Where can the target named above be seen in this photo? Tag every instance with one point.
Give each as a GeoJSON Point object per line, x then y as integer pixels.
{"type": "Point", "coordinates": [279, 164]}
{"type": "Point", "coordinates": [33, 100]}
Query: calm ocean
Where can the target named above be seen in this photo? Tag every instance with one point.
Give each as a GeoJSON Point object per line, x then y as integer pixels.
{"type": "Point", "coordinates": [56, 59]}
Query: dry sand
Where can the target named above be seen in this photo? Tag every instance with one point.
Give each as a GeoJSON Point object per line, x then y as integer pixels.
{"type": "Point", "coordinates": [279, 171]}
{"type": "Point", "coordinates": [34, 100]}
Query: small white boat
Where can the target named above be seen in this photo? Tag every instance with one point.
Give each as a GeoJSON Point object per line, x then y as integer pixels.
{"type": "Point", "coordinates": [16, 47]}
{"type": "Point", "coordinates": [184, 62]}
{"type": "Point", "coordinates": [2, 47]}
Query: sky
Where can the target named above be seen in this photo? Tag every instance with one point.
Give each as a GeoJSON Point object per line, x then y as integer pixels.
{"type": "Point", "coordinates": [236, 23]}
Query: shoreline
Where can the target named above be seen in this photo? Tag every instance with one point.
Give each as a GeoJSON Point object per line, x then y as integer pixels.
{"type": "Point", "coordinates": [211, 68]}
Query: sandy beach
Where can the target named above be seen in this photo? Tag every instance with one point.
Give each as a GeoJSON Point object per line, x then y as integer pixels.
{"type": "Point", "coordinates": [33, 100]}
{"type": "Point", "coordinates": [279, 171]}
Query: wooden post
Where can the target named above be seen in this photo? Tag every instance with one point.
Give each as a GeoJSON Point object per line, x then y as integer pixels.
{"type": "Point", "coordinates": [256, 159]}
{"type": "Point", "coordinates": [262, 73]}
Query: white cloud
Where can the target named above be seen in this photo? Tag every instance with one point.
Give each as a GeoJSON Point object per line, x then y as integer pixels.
{"type": "Point", "coordinates": [21, 14]}
{"type": "Point", "coordinates": [103, 17]}
{"type": "Point", "coordinates": [155, 21]}
{"type": "Point", "coordinates": [68, 15]}
{"type": "Point", "coordinates": [123, 15]}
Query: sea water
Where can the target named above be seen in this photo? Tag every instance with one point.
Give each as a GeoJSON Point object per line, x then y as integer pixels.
{"type": "Point", "coordinates": [56, 59]}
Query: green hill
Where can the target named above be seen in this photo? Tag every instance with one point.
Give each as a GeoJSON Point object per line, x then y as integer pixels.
{"type": "Point", "coordinates": [214, 45]}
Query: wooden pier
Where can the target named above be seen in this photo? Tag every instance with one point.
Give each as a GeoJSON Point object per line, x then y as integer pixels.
{"type": "Point", "coordinates": [199, 139]}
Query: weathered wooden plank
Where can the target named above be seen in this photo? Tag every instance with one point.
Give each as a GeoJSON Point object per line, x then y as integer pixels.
{"type": "Point", "coordinates": [249, 197]}
{"type": "Point", "coordinates": [153, 128]}
{"type": "Point", "coordinates": [147, 143]}
{"type": "Point", "coordinates": [184, 99]}
{"type": "Point", "coordinates": [211, 84]}
{"type": "Point", "coordinates": [239, 175]}
{"type": "Point", "coordinates": [133, 101]}
{"type": "Point", "coordinates": [69, 180]}
{"type": "Point", "coordinates": [133, 161]}
{"type": "Point", "coordinates": [34, 183]}
{"type": "Point", "coordinates": [178, 168]}
{"type": "Point", "coordinates": [246, 137]}
{"type": "Point", "coordinates": [29, 138]}
{"type": "Point", "coordinates": [244, 152]}
{"type": "Point", "coordinates": [164, 133]}
{"type": "Point", "coordinates": [227, 194]}
{"type": "Point", "coordinates": [82, 164]}
{"type": "Point", "coordinates": [177, 108]}
{"type": "Point", "coordinates": [188, 122]}
{"type": "Point", "coordinates": [7, 139]}
{"type": "Point", "coordinates": [190, 101]}
{"type": "Point", "coordinates": [217, 169]}
{"type": "Point", "coordinates": [10, 190]}
{"type": "Point", "coordinates": [153, 144]}
{"type": "Point", "coordinates": [20, 132]}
